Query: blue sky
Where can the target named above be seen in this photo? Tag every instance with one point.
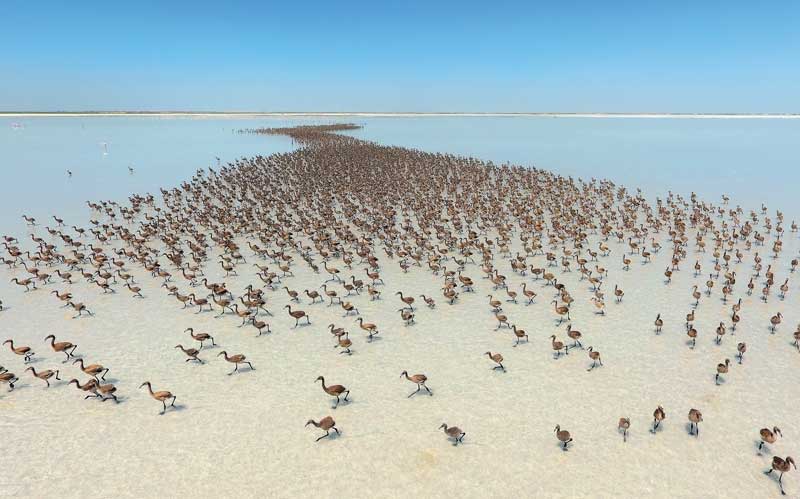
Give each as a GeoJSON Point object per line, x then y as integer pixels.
{"type": "Point", "coordinates": [580, 56]}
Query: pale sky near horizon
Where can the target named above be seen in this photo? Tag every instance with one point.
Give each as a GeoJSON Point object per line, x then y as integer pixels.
{"type": "Point", "coordinates": [576, 56]}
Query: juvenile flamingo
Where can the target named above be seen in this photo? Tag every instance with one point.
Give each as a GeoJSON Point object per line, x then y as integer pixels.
{"type": "Point", "coordinates": [741, 348]}
{"type": "Point", "coordinates": [658, 416]}
{"type": "Point", "coordinates": [695, 418]}
{"type": "Point", "coordinates": [498, 359]}
{"type": "Point", "coordinates": [44, 375]}
{"type": "Point", "coordinates": [595, 356]}
{"type": "Point", "coordinates": [561, 311]}
{"type": "Point", "coordinates": [344, 343]}
{"type": "Point", "coordinates": [10, 378]}
{"type": "Point", "coordinates": [563, 436]}
{"type": "Point", "coordinates": [420, 380]}
{"type": "Point", "coordinates": [722, 369]}
{"type": "Point", "coordinates": [575, 336]}
{"type": "Point", "coordinates": [236, 359]}
{"type": "Point", "coordinates": [453, 432]}
{"type": "Point", "coordinates": [65, 347]}
{"type": "Point", "coordinates": [334, 391]}
{"type": "Point", "coordinates": [25, 352]}
{"type": "Point", "coordinates": [103, 392]}
{"type": "Point", "coordinates": [558, 346]}
{"type": "Point", "coordinates": [781, 465]}
{"type": "Point", "coordinates": [775, 320]}
{"type": "Point", "coordinates": [92, 369]}
{"type": "Point", "coordinates": [327, 423]}
{"type": "Point", "coordinates": [768, 436]}
{"type": "Point", "coordinates": [80, 308]}
{"type": "Point", "coordinates": [161, 396]}
{"type": "Point", "coordinates": [191, 353]}
{"type": "Point", "coordinates": [624, 424]}
{"type": "Point", "coordinates": [519, 333]}
{"type": "Point", "coordinates": [297, 315]}
{"type": "Point", "coordinates": [692, 333]}
{"type": "Point", "coordinates": [370, 328]}
{"type": "Point", "coordinates": [201, 337]}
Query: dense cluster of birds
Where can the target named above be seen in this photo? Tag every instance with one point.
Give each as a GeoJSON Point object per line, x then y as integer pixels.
{"type": "Point", "coordinates": [340, 205]}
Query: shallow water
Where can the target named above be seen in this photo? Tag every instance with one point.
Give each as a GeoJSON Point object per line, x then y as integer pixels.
{"type": "Point", "coordinates": [163, 153]}
{"type": "Point", "coordinates": [243, 435]}
{"type": "Point", "coordinates": [752, 160]}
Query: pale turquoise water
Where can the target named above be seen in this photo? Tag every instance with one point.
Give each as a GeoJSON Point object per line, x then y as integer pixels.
{"type": "Point", "coordinates": [752, 160]}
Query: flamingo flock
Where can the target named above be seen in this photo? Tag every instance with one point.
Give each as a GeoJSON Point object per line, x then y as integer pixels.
{"type": "Point", "coordinates": [535, 242]}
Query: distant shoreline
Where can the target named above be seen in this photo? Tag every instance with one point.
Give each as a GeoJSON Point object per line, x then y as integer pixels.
{"type": "Point", "coordinates": [225, 114]}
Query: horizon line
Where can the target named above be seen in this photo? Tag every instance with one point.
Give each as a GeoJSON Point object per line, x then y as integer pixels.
{"type": "Point", "coordinates": [179, 113]}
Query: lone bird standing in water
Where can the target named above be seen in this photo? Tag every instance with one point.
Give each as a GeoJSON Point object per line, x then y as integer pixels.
{"type": "Point", "coordinates": [327, 423]}
{"type": "Point", "coordinates": [454, 433]}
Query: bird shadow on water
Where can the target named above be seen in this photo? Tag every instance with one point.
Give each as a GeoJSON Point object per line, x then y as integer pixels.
{"type": "Point", "coordinates": [332, 436]}
{"type": "Point", "coordinates": [343, 403]}
{"type": "Point", "coordinates": [241, 370]}
{"type": "Point", "coordinates": [764, 449]}
{"type": "Point", "coordinates": [174, 408]}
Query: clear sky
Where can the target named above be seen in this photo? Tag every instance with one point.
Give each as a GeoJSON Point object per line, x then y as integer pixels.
{"type": "Point", "coordinates": [579, 56]}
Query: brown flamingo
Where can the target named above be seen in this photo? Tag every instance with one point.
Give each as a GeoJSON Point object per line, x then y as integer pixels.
{"type": "Point", "coordinates": [25, 352]}
{"type": "Point", "coordinates": [92, 369]}
{"type": "Point", "coordinates": [695, 418]}
{"type": "Point", "coordinates": [191, 353]}
{"type": "Point", "coordinates": [658, 416]}
{"type": "Point", "coordinates": [722, 369]}
{"type": "Point", "coordinates": [624, 424]}
{"type": "Point", "coordinates": [297, 315]}
{"type": "Point", "coordinates": [595, 356]}
{"type": "Point", "coordinates": [563, 436]}
{"type": "Point", "coordinates": [201, 337]}
{"type": "Point", "coordinates": [498, 359]}
{"type": "Point", "coordinates": [519, 333]}
{"type": "Point", "coordinates": [454, 433]}
{"type": "Point", "coordinates": [334, 391]}
{"type": "Point", "coordinates": [10, 378]}
{"type": "Point", "coordinates": [44, 375]}
{"type": "Point", "coordinates": [327, 423]}
{"type": "Point", "coordinates": [162, 396]}
{"type": "Point", "coordinates": [781, 465]}
{"type": "Point", "coordinates": [236, 359]}
{"type": "Point", "coordinates": [768, 436]}
{"type": "Point", "coordinates": [65, 347]}
{"type": "Point", "coordinates": [420, 380]}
